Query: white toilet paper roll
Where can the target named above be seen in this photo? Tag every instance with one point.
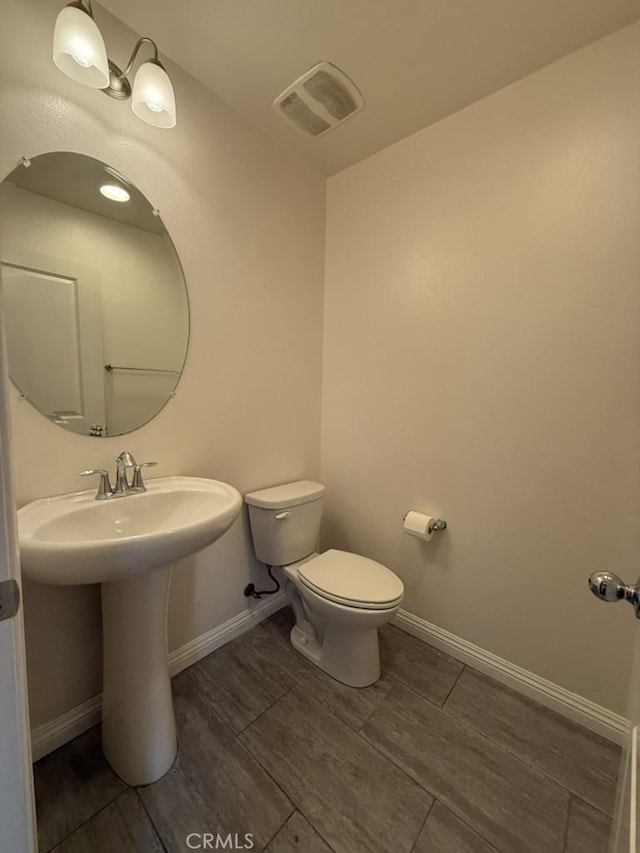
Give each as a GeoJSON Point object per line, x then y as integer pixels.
{"type": "Point", "coordinates": [418, 524]}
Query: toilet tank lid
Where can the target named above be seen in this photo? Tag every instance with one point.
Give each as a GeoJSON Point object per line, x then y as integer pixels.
{"type": "Point", "coordinates": [286, 495]}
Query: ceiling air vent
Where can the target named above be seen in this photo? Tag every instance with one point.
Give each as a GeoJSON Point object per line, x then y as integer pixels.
{"type": "Point", "coordinates": [320, 100]}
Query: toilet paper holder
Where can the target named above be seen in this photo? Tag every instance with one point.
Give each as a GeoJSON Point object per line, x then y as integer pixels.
{"type": "Point", "coordinates": [435, 525]}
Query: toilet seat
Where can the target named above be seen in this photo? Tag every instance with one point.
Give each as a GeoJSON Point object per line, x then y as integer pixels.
{"type": "Point", "coordinates": [352, 580]}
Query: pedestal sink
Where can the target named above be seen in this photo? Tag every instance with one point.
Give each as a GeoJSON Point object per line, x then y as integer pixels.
{"type": "Point", "coordinates": [128, 545]}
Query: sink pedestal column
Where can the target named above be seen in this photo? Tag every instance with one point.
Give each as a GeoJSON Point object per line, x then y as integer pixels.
{"type": "Point", "coordinates": [138, 725]}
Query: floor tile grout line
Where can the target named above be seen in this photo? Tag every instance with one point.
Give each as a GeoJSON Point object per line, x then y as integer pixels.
{"type": "Point", "coordinates": [385, 757]}
{"type": "Point", "coordinates": [396, 766]}
{"type": "Point", "coordinates": [341, 722]}
{"type": "Point", "coordinates": [323, 706]}
{"type": "Point", "coordinates": [392, 678]}
{"type": "Point", "coordinates": [566, 828]}
{"type": "Point", "coordinates": [218, 714]}
{"type": "Point", "coordinates": [246, 747]}
{"type": "Point", "coordinates": [354, 726]}
{"type": "Point", "coordinates": [368, 717]}
{"type": "Point", "coordinates": [541, 773]}
{"type": "Point", "coordinates": [288, 797]}
{"type": "Point", "coordinates": [84, 822]}
{"type": "Point", "coordinates": [282, 825]}
{"type": "Point", "coordinates": [422, 826]}
{"type": "Point", "coordinates": [433, 794]}
{"type": "Point", "coordinates": [150, 817]}
{"type": "Point", "coordinates": [465, 820]}
{"type": "Point", "coordinates": [574, 796]}
{"type": "Point", "coordinates": [209, 706]}
{"type": "Point", "coordinates": [533, 704]}
{"type": "Point", "coordinates": [453, 686]}
{"type": "Point", "coordinates": [264, 710]}
{"type": "Point", "coordinates": [297, 806]}
{"type": "Point", "coordinates": [315, 828]}
{"type": "Point", "coordinates": [442, 707]}
{"type": "Point", "coordinates": [398, 681]}
{"type": "Point", "coordinates": [475, 670]}
{"type": "Point", "coordinates": [544, 773]}
{"type": "Point", "coordinates": [491, 740]}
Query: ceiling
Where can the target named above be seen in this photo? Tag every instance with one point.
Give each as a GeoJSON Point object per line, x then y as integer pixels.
{"type": "Point", "coordinates": [415, 61]}
{"type": "Point", "coordinates": [75, 179]}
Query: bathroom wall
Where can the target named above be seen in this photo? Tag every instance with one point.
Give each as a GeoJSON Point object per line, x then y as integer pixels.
{"type": "Point", "coordinates": [247, 218]}
{"type": "Point", "coordinates": [481, 358]}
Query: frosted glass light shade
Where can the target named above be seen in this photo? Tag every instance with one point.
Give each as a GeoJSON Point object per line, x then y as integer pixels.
{"type": "Point", "coordinates": [78, 48]}
{"type": "Point", "coordinates": [152, 99]}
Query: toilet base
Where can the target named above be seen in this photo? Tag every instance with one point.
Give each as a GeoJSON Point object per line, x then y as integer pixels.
{"type": "Point", "coordinates": [350, 656]}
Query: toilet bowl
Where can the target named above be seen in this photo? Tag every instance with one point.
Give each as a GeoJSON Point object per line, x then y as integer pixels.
{"type": "Point", "coordinates": [339, 599]}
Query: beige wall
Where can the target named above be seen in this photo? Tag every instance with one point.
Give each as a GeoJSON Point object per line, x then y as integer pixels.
{"type": "Point", "coordinates": [481, 352]}
{"type": "Point", "coordinates": [247, 218]}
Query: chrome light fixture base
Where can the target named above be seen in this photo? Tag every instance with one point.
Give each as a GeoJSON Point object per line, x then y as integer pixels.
{"type": "Point", "coordinates": [119, 87]}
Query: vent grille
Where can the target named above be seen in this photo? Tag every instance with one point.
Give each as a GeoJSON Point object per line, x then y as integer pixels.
{"type": "Point", "coordinates": [298, 113]}
{"type": "Point", "coordinates": [320, 100]}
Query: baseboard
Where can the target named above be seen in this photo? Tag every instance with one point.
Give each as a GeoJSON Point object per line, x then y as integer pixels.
{"type": "Point", "coordinates": [50, 736]}
{"type": "Point", "coordinates": [576, 708]}
{"type": "Point", "coordinates": [203, 645]}
{"type": "Point", "coordinates": [64, 728]}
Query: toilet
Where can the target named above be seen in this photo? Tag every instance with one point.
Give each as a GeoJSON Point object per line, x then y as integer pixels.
{"type": "Point", "coordinates": [339, 599]}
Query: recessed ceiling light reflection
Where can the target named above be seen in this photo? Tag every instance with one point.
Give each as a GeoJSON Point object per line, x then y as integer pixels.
{"type": "Point", "coordinates": [114, 192]}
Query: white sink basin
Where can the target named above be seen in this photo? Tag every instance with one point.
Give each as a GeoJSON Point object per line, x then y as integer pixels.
{"type": "Point", "coordinates": [128, 545]}
{"type": "Point", "coordinates": [75, 539]}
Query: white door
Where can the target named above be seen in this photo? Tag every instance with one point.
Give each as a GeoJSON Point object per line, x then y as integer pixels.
{"type": "Point", "coordinates": [17, 809]}
{"type": "Point", "coordinates": [625, 836]}
{"type": "Point", "coordinates": [55, 302]}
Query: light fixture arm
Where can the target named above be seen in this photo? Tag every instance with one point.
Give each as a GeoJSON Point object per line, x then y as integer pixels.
{"type": "Point", "coordinates": [85, 5]}
{"type": "Point", "coordinates": [119, 86]}
{"type": "Point", "coordinates": [134, 53]}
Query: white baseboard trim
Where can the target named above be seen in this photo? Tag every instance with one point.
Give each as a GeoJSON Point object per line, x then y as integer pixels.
{"type": "Point", "coordinates": [571, 705]}
{"type": "Point", "coordinates": [50, 736]}
{"type": "Point", "coordinates": [203, 645]}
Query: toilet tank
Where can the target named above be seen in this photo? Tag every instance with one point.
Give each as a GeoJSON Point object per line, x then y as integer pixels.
{"type": "Point", "coordinates": [285, 521]}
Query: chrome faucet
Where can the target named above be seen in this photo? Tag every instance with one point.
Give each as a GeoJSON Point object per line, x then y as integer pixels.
{"type": "Point", "coordinates": [122, 488]}
{"type": "Point", "coordinates": [123, 460]}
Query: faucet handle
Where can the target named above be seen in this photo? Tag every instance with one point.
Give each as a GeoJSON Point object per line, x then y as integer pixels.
{"type": "Point", "coordinates": [104, 487]}
{"type": "Point", "coordinates": [138, 484]}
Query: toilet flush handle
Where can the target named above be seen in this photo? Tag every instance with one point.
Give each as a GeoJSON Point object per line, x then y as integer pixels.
{"type": "Point", "coordinates": [282, 515]}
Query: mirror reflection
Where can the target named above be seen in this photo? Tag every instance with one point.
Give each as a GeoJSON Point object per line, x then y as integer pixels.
{"type": "Point", "coordinates": [95, 301]}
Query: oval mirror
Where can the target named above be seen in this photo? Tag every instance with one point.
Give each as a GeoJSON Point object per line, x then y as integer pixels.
{"type": "Point", "coordinates": [95, 301]}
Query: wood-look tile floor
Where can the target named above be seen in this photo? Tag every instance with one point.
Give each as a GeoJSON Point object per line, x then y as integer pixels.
{"type": "Point", "coordinates": [434, 758]}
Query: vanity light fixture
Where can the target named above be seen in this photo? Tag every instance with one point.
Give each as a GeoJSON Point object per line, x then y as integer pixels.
{"type": "Point", "coordinates": [79, 51]}
{"type": "Point", "coordinates": [114, 192]}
